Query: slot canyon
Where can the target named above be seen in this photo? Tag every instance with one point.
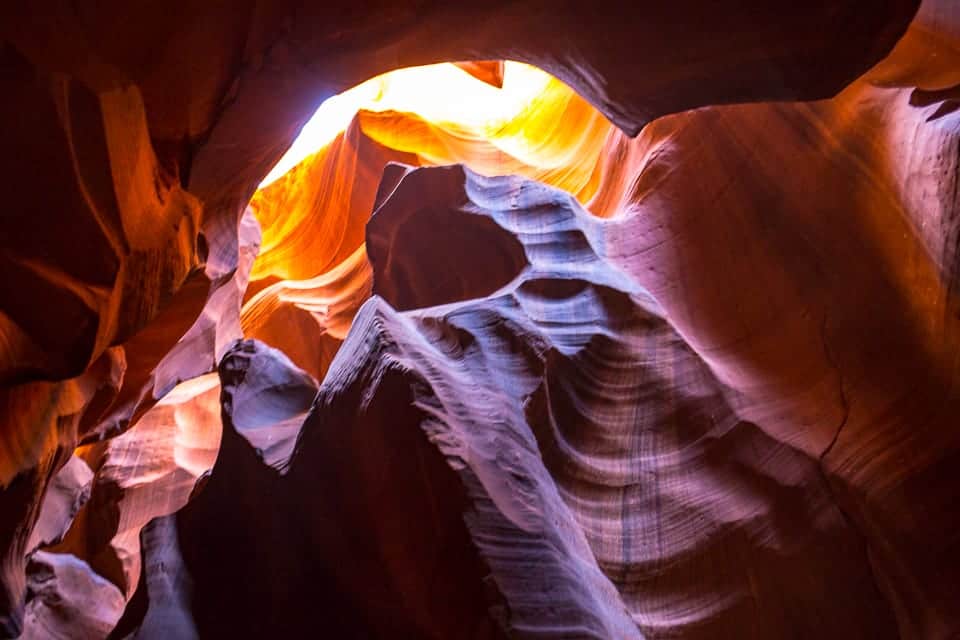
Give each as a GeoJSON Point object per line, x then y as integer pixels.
{"type": "Point", "coordinates": [520, 319]}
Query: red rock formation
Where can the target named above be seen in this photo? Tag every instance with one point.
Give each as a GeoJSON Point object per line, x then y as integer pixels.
{"type": "Point", "coordinates": [572, 340]}
{"type": "Point", "coordinates": [701, 411]}
{"type": "Point", "coordinates": [67, 493]}
{"type": "Point", "coordinates": [148, 472]}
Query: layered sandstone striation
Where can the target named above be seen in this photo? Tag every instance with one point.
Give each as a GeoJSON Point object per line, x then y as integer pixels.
{"type": "Point", "coordinates": [700, 382]}
{"type": "Point", "coordinates": [574, 449]}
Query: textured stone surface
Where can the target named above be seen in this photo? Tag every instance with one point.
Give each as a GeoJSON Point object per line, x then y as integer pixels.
{"type": "Point", "coordinates": [68, 601]}
{"type": "Point", "coordinates": [66, 494]}
{"type": "Point", "coordinates": [148, 472]}
{"type": "Point", "coordinates": [160, 608]}
{"type": "Point", "coordinates": [700, 392]}
{"type": "Point", "coordinates": [603, 404]}
{"type": "Point", "coordinates": [368, 561]}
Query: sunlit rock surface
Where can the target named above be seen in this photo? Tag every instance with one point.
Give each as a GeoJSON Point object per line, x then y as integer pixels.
{"type": "Point", "coordinates": [698, 383]}
{"type": "Point", "coordinates": [147, 472]}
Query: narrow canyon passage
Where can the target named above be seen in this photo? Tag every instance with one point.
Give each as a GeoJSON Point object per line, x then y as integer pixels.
{"type": "Point", "coordinates": [639, 323]}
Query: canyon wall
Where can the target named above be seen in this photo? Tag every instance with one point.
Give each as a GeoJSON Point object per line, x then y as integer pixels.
{"type": "Point", "coordinates": [673, 352]}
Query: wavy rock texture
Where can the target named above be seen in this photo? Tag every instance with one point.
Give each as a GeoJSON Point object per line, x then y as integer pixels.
{"type": "Point", "coordinates": [161, 606]}
{"type": "Point", "coordinates": [316, 280]}
{"type": "Point", "coordinates": [148, 472]}
{"type": "Point", "coordinates": [335, 190]}
{"type": "Point", "coordinates": [43, 421]}
{"type": "Point", "coordinates": [625, 418]}
{"type": "Point", "coordinates": [358, 559]}
{"type": "Point", "coordinates": [66, 494]}
{"type": "Point", "coordinates": [67, 600]}
{"type": "Point", "coordinates": [724, 395]}
{"type": "Point", "coordinates": [589, 422]}
{"type": "Point", "coordinates": [852, 213]}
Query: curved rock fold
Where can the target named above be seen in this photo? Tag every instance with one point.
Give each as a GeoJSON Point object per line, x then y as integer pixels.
{"type": "Point", "coordinates": [652, 331]}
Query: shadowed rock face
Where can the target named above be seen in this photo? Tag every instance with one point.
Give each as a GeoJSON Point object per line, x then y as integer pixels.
{"type": "Point", "coordinates": [586, 421]}
{"type": "Point", "coordinates": [699, 383]}
{"type": "Point", "coordinates": [368, 561]}
{"type": "Point", "coordinates": [588, 438]}
{"type": "Point", "coordinates": [465, 255]}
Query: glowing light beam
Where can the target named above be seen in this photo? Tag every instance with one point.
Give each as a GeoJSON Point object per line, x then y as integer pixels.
{"type": "Point", "coordinates": [439, 93]}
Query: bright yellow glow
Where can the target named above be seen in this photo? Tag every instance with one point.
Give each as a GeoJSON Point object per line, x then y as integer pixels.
{"type": "Point", "coordinates": [314, 206]}
{"type": "Point", "coordinates": [439, 93]}
{"type": "Point", "coordinates": [313, 211]}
